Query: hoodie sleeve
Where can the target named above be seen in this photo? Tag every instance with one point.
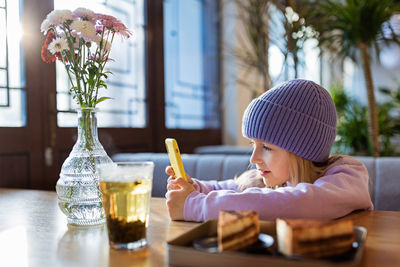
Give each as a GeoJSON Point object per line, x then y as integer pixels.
{"type": "Point", "coordinates": [343, 189]}
{"type": "Point", "coordinates": [208, 186]}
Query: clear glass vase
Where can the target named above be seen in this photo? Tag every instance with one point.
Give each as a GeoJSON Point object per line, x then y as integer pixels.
{"type": "Point", "coordinates": [79, 195]}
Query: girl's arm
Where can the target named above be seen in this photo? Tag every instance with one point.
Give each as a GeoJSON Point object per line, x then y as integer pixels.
{"type": "Point", "coordinates": [201, 186]}
{"type": "Point", "coordinates": [342, 190]}
{"type": "Point", "coordinates": [206, 187]}
{"type": "Point", "coordinates": [248, 179]}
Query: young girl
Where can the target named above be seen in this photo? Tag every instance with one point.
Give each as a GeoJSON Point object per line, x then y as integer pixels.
{"type": "Point", "coordinates": [292, 128]}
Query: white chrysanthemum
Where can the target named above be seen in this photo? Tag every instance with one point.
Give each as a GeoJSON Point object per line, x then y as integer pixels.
{"type": "Point", "coordinates": [85, 29]}
{"type": "Point", "coordinates": [58, 45]}
{"type": "Point", "coordinates": [45, 26]}
{"type": "Point", "coordinates": [84, 14]}
{"type": "Point", "coordinates": [58, 17]}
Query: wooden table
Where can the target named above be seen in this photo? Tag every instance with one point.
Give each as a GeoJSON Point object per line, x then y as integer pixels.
{"type": "Point", "coordinates": [34, 232]}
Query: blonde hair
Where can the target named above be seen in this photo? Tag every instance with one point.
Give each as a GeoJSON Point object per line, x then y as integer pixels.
{"type": "Point", "coordinates": [249, 178]}
{"type": "Point", "coordinates": [301, 170]}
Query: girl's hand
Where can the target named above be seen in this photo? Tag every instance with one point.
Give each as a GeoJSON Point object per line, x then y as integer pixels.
{"type": "Point", "coordinates": [176, 197]}
{"type": "Point", "coordinates": [170, 171]}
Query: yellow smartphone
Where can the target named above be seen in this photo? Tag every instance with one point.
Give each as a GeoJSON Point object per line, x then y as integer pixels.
{"type": "Point", "coordinates": [175, 157]}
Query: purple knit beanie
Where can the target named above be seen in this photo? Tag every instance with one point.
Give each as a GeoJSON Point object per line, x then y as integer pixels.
{"type": "Point", "coordinates": [298, 116]}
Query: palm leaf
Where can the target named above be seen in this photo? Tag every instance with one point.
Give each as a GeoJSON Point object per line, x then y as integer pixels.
{"type": "Point", "coordinates": [351, 22]}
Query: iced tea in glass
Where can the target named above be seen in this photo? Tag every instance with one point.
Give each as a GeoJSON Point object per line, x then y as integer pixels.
{"type": "Point", "coordinates": [126, 189]}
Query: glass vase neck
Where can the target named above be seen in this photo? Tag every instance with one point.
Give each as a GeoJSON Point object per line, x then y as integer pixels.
{"type": "Point", "coordinates": [87, 129]}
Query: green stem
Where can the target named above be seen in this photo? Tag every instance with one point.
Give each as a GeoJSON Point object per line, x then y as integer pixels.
{"type": "Point", "coordinates": [87, 124]}
{"type": "Point", "coordinates": [102, 66]}
{"type": "Point", "coordinates": [81, 62]}
{"type": "Point", "coordinates": [87, 134]}
{"type": "Point", "coordinates": [69, 75]}
{"type": "Point", "coordinates": [98, 55]}
{"type": "Point", "coordinates": [76, 71]}
{"type": "Point", "coordinates": [71, 58]}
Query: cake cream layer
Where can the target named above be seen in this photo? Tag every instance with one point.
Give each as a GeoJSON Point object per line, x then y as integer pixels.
{"type": "Point", "coordinates": [242, 244]}
{"type": "Point", "coordinates": [309, 247]}
{"type": "Point", "coordinates": [237, 229]}
{"type": "Point", "coordinates": [327, 241]}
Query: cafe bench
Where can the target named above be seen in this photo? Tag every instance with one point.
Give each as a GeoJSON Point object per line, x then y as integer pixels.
{"type": "Point", "coordinates": [384, 172]}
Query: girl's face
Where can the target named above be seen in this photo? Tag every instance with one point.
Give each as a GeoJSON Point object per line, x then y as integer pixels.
{"type": "Point", "coordinates": [272, 162]}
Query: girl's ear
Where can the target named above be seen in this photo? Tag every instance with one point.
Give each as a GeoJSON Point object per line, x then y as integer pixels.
{"type": "Point", "coordinates": [248, 179]}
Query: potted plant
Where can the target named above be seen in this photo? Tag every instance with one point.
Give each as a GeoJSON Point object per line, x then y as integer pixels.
{"type": "Point", "coordinates": [352, 27]}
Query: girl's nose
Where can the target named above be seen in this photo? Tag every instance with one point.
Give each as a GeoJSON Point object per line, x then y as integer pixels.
{"type": "Point", "coordinates": [255, 157]}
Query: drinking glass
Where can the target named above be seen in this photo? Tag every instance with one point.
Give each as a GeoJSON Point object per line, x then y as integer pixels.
{"type": "Point", "coordinates": [126, 189]}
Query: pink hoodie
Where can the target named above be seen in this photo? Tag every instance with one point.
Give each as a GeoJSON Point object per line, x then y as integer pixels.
{"type": "Point", "coordinates": [343, 189]}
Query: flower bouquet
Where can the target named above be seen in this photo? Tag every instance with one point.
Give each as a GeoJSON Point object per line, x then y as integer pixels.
{"type": "Point", "coordinates": [82, 41]}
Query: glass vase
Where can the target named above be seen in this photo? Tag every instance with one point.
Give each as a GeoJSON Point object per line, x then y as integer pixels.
{"type": "Point", "coordinates": [79, 195]}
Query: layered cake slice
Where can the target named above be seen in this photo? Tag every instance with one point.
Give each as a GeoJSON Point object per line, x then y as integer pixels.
{"type": "Point", "coordinates": [314, 238]}
{"type": "Point", "coordinates": [237, 229]}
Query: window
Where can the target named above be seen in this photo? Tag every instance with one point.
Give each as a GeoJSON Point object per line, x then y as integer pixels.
{"type": "Point", "coordinates": [12, 87]}
{"type": "Point", "coordinates": [191, 64]}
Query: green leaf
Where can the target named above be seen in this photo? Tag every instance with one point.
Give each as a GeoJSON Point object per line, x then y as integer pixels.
{"type": "Point", "coordinates": [386, 91]}
{"type": "Point", "coordinates": [92, 74]}
{"type": "Point", "coordinates": [101, 83]}
{"type": "Point", "coordinates": [101, 99]}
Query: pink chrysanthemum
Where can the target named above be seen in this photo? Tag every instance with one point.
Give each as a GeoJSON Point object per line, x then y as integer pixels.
{"type": "Point", "coordinates": [120, 28]}
{"type": "Point", "coordinates": [103, 17]}
{"type": "Point", "coordinates": [113, 24]}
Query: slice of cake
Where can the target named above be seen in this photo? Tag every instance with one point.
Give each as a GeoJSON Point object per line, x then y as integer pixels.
{"type": "Point", "coordinates": [314, 238]}
{"type": "Point", "coordinates": [237, 229]}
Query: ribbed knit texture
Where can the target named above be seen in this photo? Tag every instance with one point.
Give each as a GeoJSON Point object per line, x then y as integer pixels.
{"type": "Point", "coordinates": [298, 116]}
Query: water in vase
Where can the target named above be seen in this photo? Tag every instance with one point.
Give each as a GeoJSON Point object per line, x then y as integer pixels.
{"type": "Point", "coordinates": [79, 195]}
